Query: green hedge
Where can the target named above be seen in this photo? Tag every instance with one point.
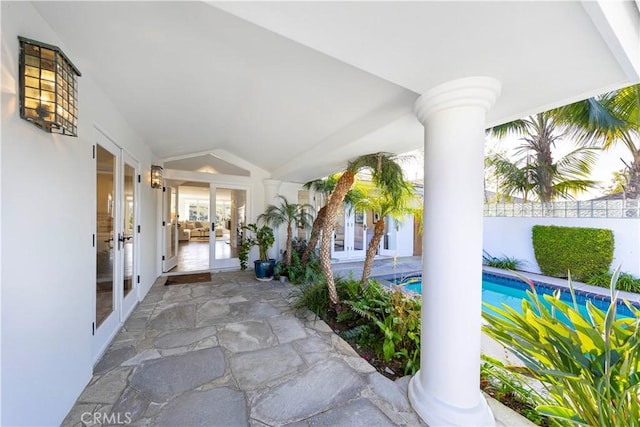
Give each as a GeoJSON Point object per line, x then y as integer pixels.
{"type": "Point", "coordinates": [583, 251]}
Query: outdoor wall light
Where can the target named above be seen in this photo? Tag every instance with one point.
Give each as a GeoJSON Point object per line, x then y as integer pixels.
{"type": "Point", "coordinates": [48, 88]}
{"type": "Point", "coordinates": [156, 176]}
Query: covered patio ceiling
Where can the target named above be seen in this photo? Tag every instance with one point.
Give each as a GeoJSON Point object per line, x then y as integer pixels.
{"type": "Point", "coordinates": [298, 88]}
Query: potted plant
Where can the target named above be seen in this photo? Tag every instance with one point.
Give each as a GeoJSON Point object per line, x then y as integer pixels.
{"type": "Point", "coordinates": [293, 215]}
{"type": "Point", "coordinates": [263, 238]}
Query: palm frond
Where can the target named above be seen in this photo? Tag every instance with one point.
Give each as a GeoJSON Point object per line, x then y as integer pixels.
{"type": "Point", "coordinates": [516, 127]}
{"type": "Point", "coordinates": [385, 171]}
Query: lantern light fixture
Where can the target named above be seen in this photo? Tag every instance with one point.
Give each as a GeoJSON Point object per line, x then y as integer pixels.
{"type": "Point", "coordinates": [156, 176]}
{"type": "Point", "coordinates": [48, 88]}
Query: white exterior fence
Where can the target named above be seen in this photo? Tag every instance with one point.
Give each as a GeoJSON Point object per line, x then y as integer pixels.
{"type": "Point", "coordinates": [510, 233]}
{"type": "Point", "coordinates": [575, 209]}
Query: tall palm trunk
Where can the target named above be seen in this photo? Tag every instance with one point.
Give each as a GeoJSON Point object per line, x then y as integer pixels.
{"type": "Point", "coordinates": [632, 189]}
{"type": "Point", "coordinates": [318, 224]}
{"type": "Point", "coordinates": [287, 259]}
{"type": "Point", "coordinates": [343, 185]}
{"type": "Point", "coordinates": [378, 232]}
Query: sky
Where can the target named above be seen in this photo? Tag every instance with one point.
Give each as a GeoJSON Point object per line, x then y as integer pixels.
{"type": "Point", "coordinates": [608, 162]}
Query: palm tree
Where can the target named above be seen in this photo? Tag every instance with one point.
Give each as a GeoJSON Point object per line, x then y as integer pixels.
{"type": "Point", "coordinates": [384, 205]}
{"type": "Point", "coordinates": [290, 214]}
{"type": "Point", "coordinates": [325, 187]}
{"type": "Point", "coordinates": [385, 173]}
{"type": "Point", "coordinates": [535, 170]}
{"type": "Point", "coordinates": [613, 118]}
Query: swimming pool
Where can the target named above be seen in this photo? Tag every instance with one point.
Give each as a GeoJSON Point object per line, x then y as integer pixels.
{"type": "Point", "coordinates": [498, 290]}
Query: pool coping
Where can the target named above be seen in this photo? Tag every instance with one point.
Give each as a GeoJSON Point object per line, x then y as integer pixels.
{"type": "Point", "coordinates": [589, 291]}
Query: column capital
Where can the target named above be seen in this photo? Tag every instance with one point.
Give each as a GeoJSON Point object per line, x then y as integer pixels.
{"type": "Point", "coordinates": [272, 183]}
{"type": "Point", "coordinates": [271, 190]}
{"type": "Point", "coordinates": [467, 92]}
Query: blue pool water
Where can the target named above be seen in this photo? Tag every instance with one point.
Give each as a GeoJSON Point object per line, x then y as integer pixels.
{"type": "Point", "coordinates": [498, 290]}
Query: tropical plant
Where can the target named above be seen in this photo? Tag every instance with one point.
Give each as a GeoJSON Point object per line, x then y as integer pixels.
{"type": "Point", "coordinates": [312, 296]}
{"type": "Point", "coordinates": [384, 205]}
{"type": "Point", "coordinates": [397, 317]}
{"type": "Point", "coordinates": [535, 171]}
{"type": "Point", "coordinates": [626, 281]}
{"type": "Point", "coordinates": [324, 187]}
{"type": "Point", "coordinates": [385, 173]}
{"type": "Point", "coordinates": [589, 366]}
{"type": "Point", "coordinates": [505, 262]}
{"type": "Point", "coordinates": [290, 214]}
{"type": "Point", "coordinates": [619, 181]}
{"type": "Point", "coordinates": [299, 272]}
{"type": "Point", "coordinates": [262, 237]}
{"type": "Point", "coordinates": [613, 118]}
{"type": "Point", "coordinates": [507, 387]}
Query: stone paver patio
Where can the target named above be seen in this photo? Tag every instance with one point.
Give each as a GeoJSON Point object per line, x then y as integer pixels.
{"type": "Point", "coordinates": [232, 352]}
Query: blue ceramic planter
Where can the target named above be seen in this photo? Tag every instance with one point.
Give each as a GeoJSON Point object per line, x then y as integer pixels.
{"type": "Point", "coordinates": [264, 269]}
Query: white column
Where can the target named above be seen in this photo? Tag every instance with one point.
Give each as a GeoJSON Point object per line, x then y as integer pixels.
{"type": "Point", "coordinates": [446, 390]}
{"type": "Point", "coordinates": [271, 190]}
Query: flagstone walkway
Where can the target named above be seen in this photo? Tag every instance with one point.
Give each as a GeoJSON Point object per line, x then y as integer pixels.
{"type": "Point", "coordinates": [232, 352]}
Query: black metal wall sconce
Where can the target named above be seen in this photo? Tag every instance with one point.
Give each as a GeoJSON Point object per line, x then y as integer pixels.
{"type": "Point", "coordinates": [48, 88]}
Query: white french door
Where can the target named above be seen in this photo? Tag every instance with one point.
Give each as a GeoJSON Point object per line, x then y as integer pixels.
{"type": "Point", "coordinates": [350, 234]}
{"type": "Point", "coordinates": [229, 207]}
{"type": "Point", "coordinates": [129, 234]}
{"type": "Point", "coordinates": [170, 226]}
{"type": "Point", "coordinates": [115, 240]}
{"type": "Point", "coordinates": [389, 243]}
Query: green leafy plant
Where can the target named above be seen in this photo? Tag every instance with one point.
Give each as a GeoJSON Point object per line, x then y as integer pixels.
{"type": "Point", "coordinates": [501, 383]}
{"type": "Point", "coordinates": [505, 262]}
{"type": "Point", "coordinates": [626, 281]}
{"type": "Point", "coordinates": [262, 237]}
{"type": "Point", "coordinates": [586, 251]}
{"type": "Point", "coordinates": [589, 366]}
{"type": "Point", "coordinates": [299, 272]}
{"type": "Point", "coordinates": [397, 316]}
{"type": "Point", "coordinates": [313, 296]}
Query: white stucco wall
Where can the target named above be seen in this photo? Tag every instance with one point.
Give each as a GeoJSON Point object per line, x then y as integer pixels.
{"type": "Point", "coordinates": [512, 237]}
{"type": "Point", "coordinates": [48, 218]}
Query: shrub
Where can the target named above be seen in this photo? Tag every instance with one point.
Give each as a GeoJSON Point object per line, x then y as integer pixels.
{"type": "Point", "coordinates": [626, 281]}
{"type": "Point", "coordinates": [505, 262]}
{"type": "Point", "coordinates": [586, 251]}
{"type": "Point", "coordinates": [396, 316]}
{"type": "Point", "coordinates": [590, 367]}
{"type": "Point", "coordinates": [299, 273]}
{"type": "Point", "coordinates": [386, 321]}
{"type": "Point", "coordinates": [314, 296]}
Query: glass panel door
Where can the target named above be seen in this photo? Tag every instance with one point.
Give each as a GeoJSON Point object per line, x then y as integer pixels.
{"type": "Point", "coordinates": [109, 264]}
{"type": "Point", "coordinates": [127, 228]}
{"type": "Point", "coordinates": [230, 217]}
{"type": "Point", "coordinates": [340, 234]}
{"type": "Point", "coordinates": [170, 222]}
{"type": "Point", "coordinates": [105, 248]}
{"type": "Point", "coordinates": [114, 240]}
{"type": "Point", "coordinates": [128, 234]}
{"type": "Point", "coordinates": [390, 239]}
{"type": "Point", "coordinates": [359, 233]}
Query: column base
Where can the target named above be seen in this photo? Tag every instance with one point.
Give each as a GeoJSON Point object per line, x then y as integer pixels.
{"type": "Point", "coordinates": [435, 412]}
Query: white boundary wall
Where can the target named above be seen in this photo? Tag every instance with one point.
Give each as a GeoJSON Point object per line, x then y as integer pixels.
{"type": "Point", "coordinates": [505, 236]}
